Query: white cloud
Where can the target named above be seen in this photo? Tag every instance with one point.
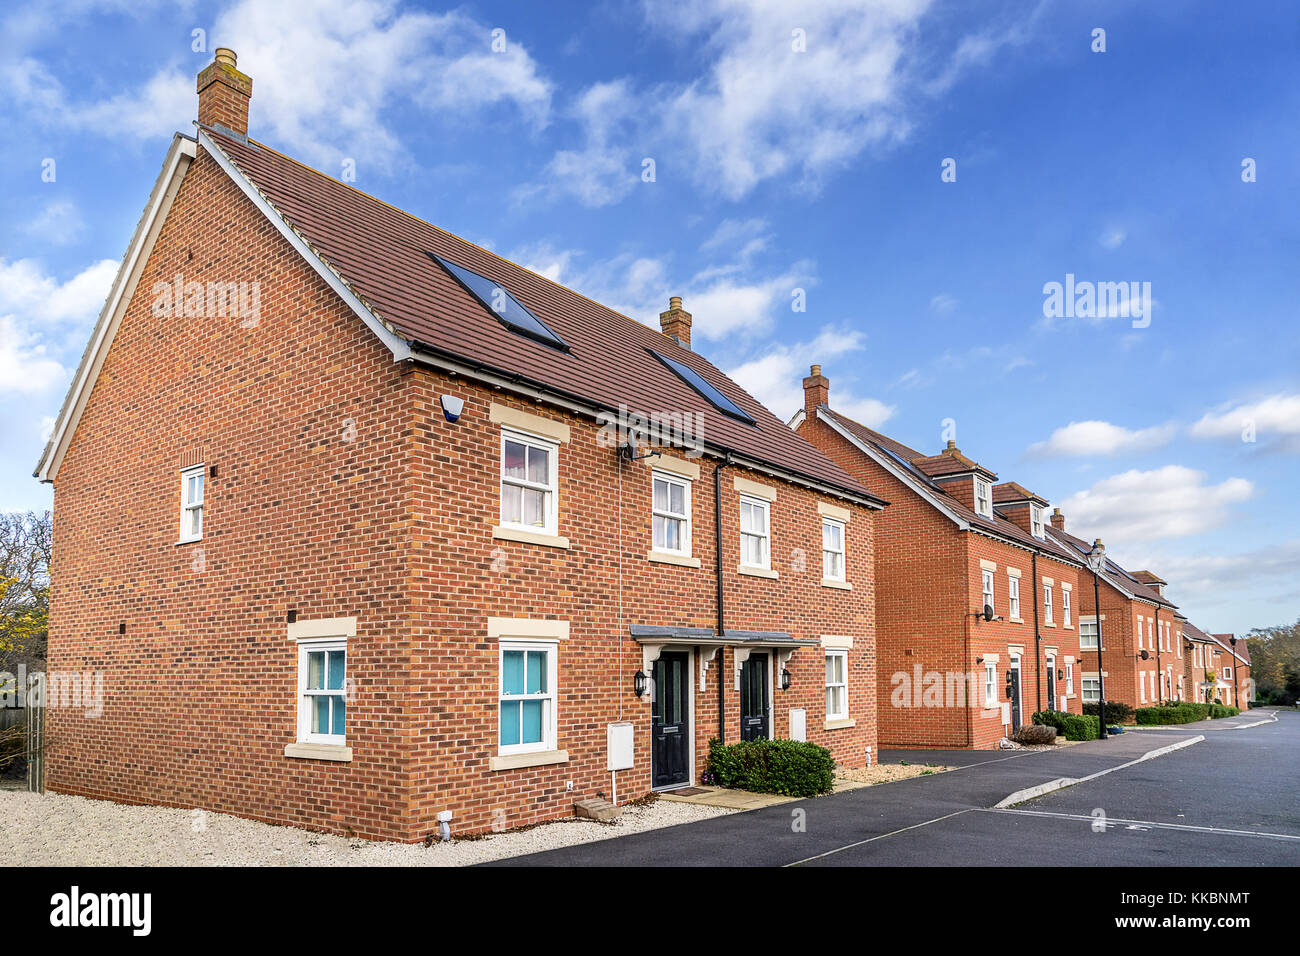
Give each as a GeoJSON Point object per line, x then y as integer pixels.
{"type": "Point", "coordinates": [41, 317]}
{"type": "Point", "coordinates": [605, 169]}
{"type": "Point", "coordinates": [59, 223]}
{"type": "Point", "coordinates": [1101, 438]}
{"type": "Point", "coordinates": [1275, 415]}
{"type": "Point", "coordinates": [1112, 238]}
{"type": "Point", "coordinates": [942, 304]}
{"type": "Point", "coordinates": [1169, 502]}
{"type": "Point", "coordinates": [325, 75]}
{"type": "Point", "coordinates": [1208, 577]}
{"type": "Point", "coordinates": [775, 378]}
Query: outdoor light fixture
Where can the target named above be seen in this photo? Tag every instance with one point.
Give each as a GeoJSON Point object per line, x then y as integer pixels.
{"type": "Point", "coordinates": [785, 679]}
{"type": "Point", "coordinates": [638, 683]}
{"type": "Point", "coordinates": [1097, 564]}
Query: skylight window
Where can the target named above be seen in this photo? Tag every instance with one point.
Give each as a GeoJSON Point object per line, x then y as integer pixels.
{"type": "Point", "coordinates": [698, 382]}
{"type": "Point", "coordinates": [511, 313]}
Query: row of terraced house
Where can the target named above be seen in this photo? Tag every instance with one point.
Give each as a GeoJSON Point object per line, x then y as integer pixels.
{"type": "Point", "coordinates": [409, 533]}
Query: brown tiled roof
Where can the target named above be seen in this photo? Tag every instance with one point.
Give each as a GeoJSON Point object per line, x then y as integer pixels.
{"type": "Point", "coordinates": [1194, 633]}
{"type": "Point", "coordinates": [1115, 574]}
{"type": "Point", "coordinates": [382, 254]}
{"type": "Point", "coordinates": [997, 525]}
{"type": "Point", "coordinates": [1146, 577]}
{"type": "Point", "coordinates": [1009, 491]}
{"type": "Point", "coordinates": [1225, 641]}
{"type": "Point", "coordinates": [950, 461]}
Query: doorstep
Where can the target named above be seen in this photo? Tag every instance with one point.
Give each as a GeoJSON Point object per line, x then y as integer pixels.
{"type": "Point", "coordinates": [722, 797]}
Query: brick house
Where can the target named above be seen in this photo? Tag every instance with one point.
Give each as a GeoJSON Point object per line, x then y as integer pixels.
{"type": "Point", "coordinates": [364, 524]}
{"type": "Point", "coordinates": [1235, 688]}
{"type": "Point", "coordinates": [1142, 653]}
{"type": "Point", "coordinates": [1201, 664]}
{"type": "Point", "coordinates": [952, 543]}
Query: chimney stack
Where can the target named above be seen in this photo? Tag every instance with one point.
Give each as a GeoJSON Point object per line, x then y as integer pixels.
{"type": "Point", "coordinates": [1058, 519]}
{"type": "Point", "coordinates": [224, 93]}
{"type": "Point", "coordinates": [676, 322]}
{"type": "Point", "coordinates": [816, 391]}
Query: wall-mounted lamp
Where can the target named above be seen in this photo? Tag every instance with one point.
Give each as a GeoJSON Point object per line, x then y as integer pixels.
{"type": "Point", "coordinates": [638, 683]}
{"type": "Point", "coordinates": [979, 660]}
{"type": "Point", "coordinates": [785, 679]}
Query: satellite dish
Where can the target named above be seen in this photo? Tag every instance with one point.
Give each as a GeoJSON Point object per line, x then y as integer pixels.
{"type": "Point", "coordinates": [629, 449]}
{"type": "Point", "coordinates": [988, 612]}
{"type": "Point", "coordinates": [1146, 655]}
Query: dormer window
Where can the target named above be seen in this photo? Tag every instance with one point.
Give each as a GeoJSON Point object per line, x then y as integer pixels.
{"type": "Point", "coordinates": [983, 498]}
{"type": "Point", "coordinates": [1036, 520]}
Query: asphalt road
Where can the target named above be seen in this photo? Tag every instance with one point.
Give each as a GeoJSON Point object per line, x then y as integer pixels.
{"type": "Point", "coordinates": [1229, 799]}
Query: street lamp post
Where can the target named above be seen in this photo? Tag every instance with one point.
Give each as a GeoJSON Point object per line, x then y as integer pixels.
{"type": "Point", "coordinates": [1097, 562]}
{"type": "Point", "coordinates": [1235, 664]}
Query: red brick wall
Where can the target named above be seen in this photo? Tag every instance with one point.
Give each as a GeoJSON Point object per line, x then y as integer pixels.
{"type": "Point", "coordinates": [341, 491]}
{"type": "Point", "coordinates": [928, 592]}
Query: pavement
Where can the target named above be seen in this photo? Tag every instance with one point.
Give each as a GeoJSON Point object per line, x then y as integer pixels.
{"type": "Point", "coordinates": [1228, 798]}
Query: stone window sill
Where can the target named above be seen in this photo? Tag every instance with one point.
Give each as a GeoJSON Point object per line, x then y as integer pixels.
{"type": "Point", "coordinates": [503, 533]}
{"type": "Point", "coordinates": [754, 572]}
{"type": "Point", "coordinates": [541, 758]}
{"type": "Point", "coordinates": [840, 724]}
{"type": "Point", "coordinates": [667, 557]}
{"type": "Point", "coordinates": [319, 752]}
{"type": "Point", "coordinates": [833, 583]}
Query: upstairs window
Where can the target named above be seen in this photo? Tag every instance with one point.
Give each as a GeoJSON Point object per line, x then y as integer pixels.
{"type": "Point", "coordinates": [528, 483]}
{"type": "Point", "coordinates": [1065, 605]}
{"type": "Point", "coordinates": [1036, 520]}
{"type": "Point", "coordinates": [192, 503]}
{"type": "Point", "coordinates": [671, 507]}
{"type": "Point", "coordinates": [987, 577]}
{"type": "Point", "coordinates": [1047, 603]}
{"type": "Point", "coordinates": [983, 498]}
{"type": "Point", "coordinates": [832, 549]}
{"type": "Point", "coordinates": [1088, 635]}
{"type": "Point", "coordinates": [1013, 596]}
{"type": "Point", "coordinates": [755, 534]}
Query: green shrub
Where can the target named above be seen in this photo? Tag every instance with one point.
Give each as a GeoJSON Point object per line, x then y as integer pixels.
{"type": "Point", "coordinates": [1183, 712]}
{"type": "Point", "coordinates": [787, 767]}
{"type": "Point", "coordinates": [1072, 726]}
{"type": "Point", "coordinates": [1221, 710]}
{"type": "Point", "coordinates": [1116, 712]}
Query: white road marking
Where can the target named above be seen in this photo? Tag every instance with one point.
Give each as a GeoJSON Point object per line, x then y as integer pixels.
{"type": "Point", "coordinates": [881, 836]}
{"type": "Point", "coordinates": [1031, 793]}
{"type": "Point", "coordinates": [1151, 824]}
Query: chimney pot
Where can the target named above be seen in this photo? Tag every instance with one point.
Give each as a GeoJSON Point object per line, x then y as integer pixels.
{"type": "Point", "coordinates": [224, 93]}
{"type": "Point", "coordinates": [676, 322]}
{"type": "Point", "coordinates": [1058, 519]}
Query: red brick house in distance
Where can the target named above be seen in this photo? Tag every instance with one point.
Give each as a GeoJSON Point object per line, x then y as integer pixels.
{"type": "Point", "coordinates": [346, 512]}
{"type": "Point", "coordinates": [953, 543]}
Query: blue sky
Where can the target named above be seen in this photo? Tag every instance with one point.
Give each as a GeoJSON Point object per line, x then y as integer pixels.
{"type": "Point", "coordinates": [792, 150]}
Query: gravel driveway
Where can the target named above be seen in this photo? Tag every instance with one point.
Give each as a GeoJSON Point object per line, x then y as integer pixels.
{"type": "Point", "coordinates": [57, 830]}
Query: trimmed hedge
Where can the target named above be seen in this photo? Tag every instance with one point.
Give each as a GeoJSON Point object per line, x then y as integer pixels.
{"type": "Point", "coordinates": [787, 767]}
{"type": "Point", "coordinates": [1184, 712]}
{"type": "Point", "coordinates": [1072, 726]}
{"type": "Point", "coordinates": [1116, 712]}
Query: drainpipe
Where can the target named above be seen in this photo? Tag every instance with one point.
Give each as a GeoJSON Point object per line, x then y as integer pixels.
{"type": "Point", "coordinates": [1038, 637]}
{"type": "Point", "coordinates": [722, 616]}
{"type": "Point", "coordinates": [970, 731]}
{"type": "Point", "coordinates": [1160, 674]}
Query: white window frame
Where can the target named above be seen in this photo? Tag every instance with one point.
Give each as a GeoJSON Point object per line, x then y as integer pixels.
{"type": "Point", "coordinates": [1227, 672]}
{"type": "Point", "coordinates": [983, 498]}
{"type": "Point", "coordinates": [1142, 686]}
{"type": "Point", "coordinates": [551, 489]}
{"type": "Point", "coordinates": [1096, 631]}
{"type": "Point", "coordinates": [1139, 634]}
{"type": "Point", "coordinates": [1090, 689]}
{"type": "Point", "coordinates": [684, 518]}
{"type": "Point", "coordinates": [765, 536]}
{"type": "Point", "coordinates": [1178, 643]}
{"type": "Point", "coordinates": [1069, 678]}
{"type": "Point", "coordinates": [1013, 596]}
{"type": "Point", "coordinates": [550, 714]}
{"type": "Point", "coordinates": [315, 645]}
{"type": "Point", "coordinates": [188, 507]}
{"type": "Point", "coordinates": [990, 684]}
{"type": "Point", "coordinates": [986, 587]}
{"type": "Point", "coordinates": [1065, 605]}
{"type": "Point", "coordinates": [842, 552]}
{"type": "Point", "coordinates": [1047, 605]}
{"type": "Point", "coordinates": [843, 656]}
{"type": "Point", "coordinates": [1036, 521]}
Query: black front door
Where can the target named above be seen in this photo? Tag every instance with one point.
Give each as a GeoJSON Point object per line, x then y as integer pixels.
{"type": "Point", "coordinates": [1051, 684]}
{"type": "Point", "coordinates": [1013, 695]}
{"type": "Point", "coordinates": [755, 706]}
{"type": "Point", "coordinates": [670, 723]}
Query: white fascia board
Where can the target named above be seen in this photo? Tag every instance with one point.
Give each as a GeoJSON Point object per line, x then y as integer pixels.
{"type": "Point", "coordinates": [395, 343]}
{"type": "Point", "coordinates": [179, 157]}
{"type": "Point", "coordinates": [892, 467]}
